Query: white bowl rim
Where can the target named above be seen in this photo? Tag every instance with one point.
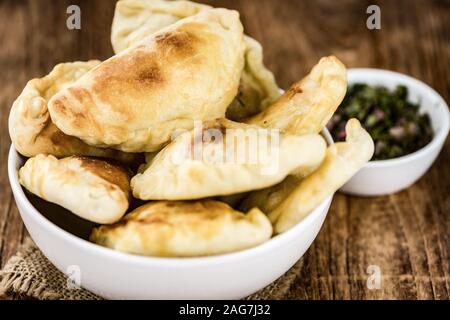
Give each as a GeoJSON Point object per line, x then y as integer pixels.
{"type": "Point", "coordinates": [169, 262]}
{"type": "Point", "coordinates": [437, 138]}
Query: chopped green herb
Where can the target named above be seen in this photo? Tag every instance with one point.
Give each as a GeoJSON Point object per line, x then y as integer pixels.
{"type": "Point", "coordinates": [394, 123]}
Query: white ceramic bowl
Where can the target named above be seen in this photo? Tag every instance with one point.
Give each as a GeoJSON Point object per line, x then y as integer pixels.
{"type": "Point", "coordinates": [115, 275]}
{"type": "Point", "coordinates": [390, 176]}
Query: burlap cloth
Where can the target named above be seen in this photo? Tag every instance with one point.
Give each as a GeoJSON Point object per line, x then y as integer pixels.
{"type": "Point", "coordinates": [30, 274]}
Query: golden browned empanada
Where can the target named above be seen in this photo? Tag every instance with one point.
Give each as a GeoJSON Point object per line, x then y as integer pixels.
{"type": "Point", "coordinates": [223, 158]}
{"type": "Point", "coordinates": [257, 89]}
{"type": "Point", "coordinates": [94, 189]}
{"type": "Point", "coordinates": [134, 20]}
{"type": "Point", "coordinates": [30, 127]}
{"type": "Point", "coordinates": [307, 106]}
{"type": "Point", "coordinates": [269, 198]}
{"type": "Point", "coordinates": [342, 161]}
{"type": "Point", "coordinates": [185, 229]}
{"type": "Point", "coordinates": [135, 100]}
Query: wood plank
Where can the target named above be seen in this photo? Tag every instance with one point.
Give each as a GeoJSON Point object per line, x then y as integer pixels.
{"type": "Point", "coordinates": [13, 57]}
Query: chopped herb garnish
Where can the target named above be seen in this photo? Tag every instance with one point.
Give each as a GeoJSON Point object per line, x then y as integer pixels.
{"type": "Point", "coordinates": [394, 123]}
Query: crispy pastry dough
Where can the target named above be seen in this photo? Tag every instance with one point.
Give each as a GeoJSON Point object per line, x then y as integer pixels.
{"type": "Point", "coordinates": [93, 189]}
{"type": "Point", "coordinates": [307, 106]}
{"type": "Point", "coordinates": [30, 127]}
{"type": "Point", "coordinates": [185, 229]}
{"type": "Point", "coordinates": [134, 20]}
{"type": "Point", "coordinates": [257, 89]}
{"type": "Point", "coordinates": [135, 100]}
{"type": "Point", "coordinates": [269, 198]}
{"type": "Point", "coordinates": [225, 158]}
{"type": "Point", "coordinates": [342, 161]}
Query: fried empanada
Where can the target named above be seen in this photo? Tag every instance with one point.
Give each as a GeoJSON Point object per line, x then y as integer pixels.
{"type": "Point", "coordinates": [185, 229]}
{"type": "Point", "coordinates": [223, 158]}
{"type": "Point", "coordinates": [342, 161]}
{"type": "Point", "coordinates": [30, 127]}
{"type": "Point", "coordinates": [135, 100]}
{"type": "Point", "coordinates": [93, 189]}
{"type": "Point", "coordinates": [269, 198]}
{"type": "Point", "coordinates": [134, 20]}
{"type": "Point", "coordinates": [257, 89]}
{"type": "Point", "coordinates": [308, 105]}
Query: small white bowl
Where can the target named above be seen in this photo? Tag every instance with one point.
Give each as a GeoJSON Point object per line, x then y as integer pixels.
{"type": "Point", "coordinates": [390, 176]}
{"type": "Point", "coordinates": [115, 275]}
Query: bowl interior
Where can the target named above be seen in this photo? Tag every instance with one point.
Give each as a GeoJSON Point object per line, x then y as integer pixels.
{"type": "Point", "coordinates": [61, 217]}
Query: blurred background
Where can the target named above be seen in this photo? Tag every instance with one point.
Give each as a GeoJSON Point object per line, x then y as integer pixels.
{"type": "Point", "coordinates": [407, 235]}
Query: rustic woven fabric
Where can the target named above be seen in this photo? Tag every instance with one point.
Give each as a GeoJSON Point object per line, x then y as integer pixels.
{"type": "Point", "coordinates": [30, 274]}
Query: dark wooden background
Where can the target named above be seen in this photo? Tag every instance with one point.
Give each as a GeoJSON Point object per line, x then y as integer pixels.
{"type": "Point", "coordinates": [407, 235]}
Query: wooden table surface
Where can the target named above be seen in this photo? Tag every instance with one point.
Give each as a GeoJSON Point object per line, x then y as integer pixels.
{"type": "Point", "coordinates": [406, 235]}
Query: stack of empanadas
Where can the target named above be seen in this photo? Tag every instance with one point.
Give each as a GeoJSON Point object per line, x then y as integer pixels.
{"type": "Point", "coordinates": [229, 161]}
